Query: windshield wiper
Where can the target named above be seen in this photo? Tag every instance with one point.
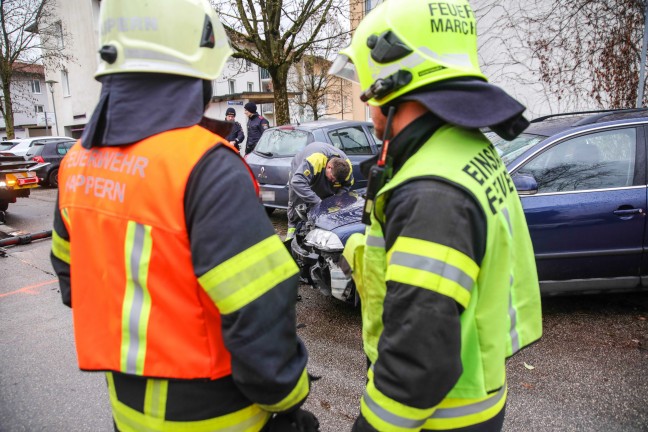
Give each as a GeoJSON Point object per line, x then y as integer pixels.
{"type": "Point", "coordinates": [268, 154]}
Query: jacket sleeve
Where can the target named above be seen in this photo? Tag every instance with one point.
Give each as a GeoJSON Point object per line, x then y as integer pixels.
{"type": "Point", "coordinates": [429, 226]}
{"type": "Point", "coordinates": [248, 273]}
{"type": "Point", "coordinates": [263, 125]}
{"type": "Point", "coordinates": [240, 136]}
{"type": "Point", "coordinates": [301, 181]}
{"type": "Point", "coordinates": [60, 255]}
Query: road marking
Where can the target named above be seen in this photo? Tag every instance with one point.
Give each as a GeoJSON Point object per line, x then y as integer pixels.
{"type": "Point", "coordinates": [29, 289]}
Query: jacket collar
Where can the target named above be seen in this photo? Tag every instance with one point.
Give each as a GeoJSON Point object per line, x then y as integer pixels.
{"type": "Point", "coordinates": [135, 106]}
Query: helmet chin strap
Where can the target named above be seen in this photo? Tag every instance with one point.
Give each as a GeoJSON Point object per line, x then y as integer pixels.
{"type": "Point", "coordinates": [380, 173]}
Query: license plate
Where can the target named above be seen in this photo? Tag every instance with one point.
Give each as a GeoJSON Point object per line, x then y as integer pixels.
{"type": "Point", "coordinates": [267, 196]}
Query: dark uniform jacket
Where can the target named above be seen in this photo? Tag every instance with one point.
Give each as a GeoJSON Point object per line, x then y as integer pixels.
{"type": "Point", "coordinates": [256, 126]}
{"type": "Point", "coordinates": [268, 357]}
{"type": "Point", "coordinates": [236, 135]}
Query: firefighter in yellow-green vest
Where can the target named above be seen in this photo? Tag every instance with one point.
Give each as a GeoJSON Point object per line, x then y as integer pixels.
{"type": "Point", "coordinates": [193, 327]}
{"type": "Point", "coordinates": [445, 271]}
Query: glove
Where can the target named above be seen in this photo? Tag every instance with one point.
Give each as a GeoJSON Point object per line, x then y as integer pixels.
{"type": "Point", "coordinates": [302, 211]}
{"type": "Point", "coordinates": [299, 420]}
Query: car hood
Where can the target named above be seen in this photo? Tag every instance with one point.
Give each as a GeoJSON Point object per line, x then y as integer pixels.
{"type": "Point", "coordinates": [341, 214]}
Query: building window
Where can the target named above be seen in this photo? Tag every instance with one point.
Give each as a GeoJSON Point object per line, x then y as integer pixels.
{"type": "Point", "coordinates": [232, 87]}
{"type": "Point", "coordinates": [58, 33]}
{"type": "Point", "coordinates": [38, 108]}
{"type": "Point", "coordinates": [65, 82]}
{"type": "Point", "coordinates": [371, 4]}
{"type": "Point", "coordinates": [250, 86]}
{"type": "Point", "coordinates": [36, 86]}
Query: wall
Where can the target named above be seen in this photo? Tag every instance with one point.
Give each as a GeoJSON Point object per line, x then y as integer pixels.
{"type": "Point", "coordinates": [80, 19]}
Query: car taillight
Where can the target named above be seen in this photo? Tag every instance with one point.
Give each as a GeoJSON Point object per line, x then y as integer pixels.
{"type": "Point", "coordinates": [38, 159]}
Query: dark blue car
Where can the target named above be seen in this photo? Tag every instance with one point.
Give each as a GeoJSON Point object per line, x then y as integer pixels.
{"type": "Point", "coordinates": [581, 178]}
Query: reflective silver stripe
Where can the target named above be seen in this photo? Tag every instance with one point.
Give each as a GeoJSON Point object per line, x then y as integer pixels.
{"type": "Point", "coordinates": [139, 53]}
{"type": "Point", "coordinates": [456, 59]}
{"type": "Point", "coordinates": [435, 266]}
{"type": "Point", "coordinates": [138, 299]}
{"type": "Point", "coordinates": [508, 220]}
{"type": "Point", "coordinates": [389, 417]}
{"type": "Point", "coordinates": [375, 241]}
{"type": "Point", "coordinates": [469, 409]}
{"type": "Point", "coordinates": [156, 407]}
{"type": "Point", "coordinates": [515, 337]}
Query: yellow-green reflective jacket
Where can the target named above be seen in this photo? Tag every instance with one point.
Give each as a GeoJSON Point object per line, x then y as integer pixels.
{"type": "Point", "coordinates": [500, 298]}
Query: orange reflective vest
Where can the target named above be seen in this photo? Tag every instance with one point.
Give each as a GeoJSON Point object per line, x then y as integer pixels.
{"type": "Point", "coordinates": [137, 304]}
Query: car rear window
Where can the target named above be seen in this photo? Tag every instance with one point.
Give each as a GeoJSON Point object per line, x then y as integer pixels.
{"type": "Point", "coordinates": [36, 149]}
{"type": "Point", "coordinates": [6, 145]}
{"type": "Point", "coordinates": [282, 142]}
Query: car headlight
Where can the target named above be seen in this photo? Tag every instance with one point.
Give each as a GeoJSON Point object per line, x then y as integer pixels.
{"type": "Point", "coordinates": [323, 239]}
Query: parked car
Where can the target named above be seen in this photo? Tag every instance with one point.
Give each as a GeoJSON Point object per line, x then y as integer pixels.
{"type": "Point", "coordinates": [20, 146]}
{"type": "Point", "coordinates": [52, 151]}
{"type": "Point", "coordinates": [582, 181]}
{"type": "Point", "coordinates": [17, 178]}
{"type": "Point", "coordinates": [270, 160]}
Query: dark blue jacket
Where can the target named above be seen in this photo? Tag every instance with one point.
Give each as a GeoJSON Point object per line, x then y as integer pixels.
{"type": "Point", "coordinates": [256, 126]}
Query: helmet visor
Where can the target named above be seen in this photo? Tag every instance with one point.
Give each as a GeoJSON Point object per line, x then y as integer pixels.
{"type": "Point", "coordinates": [344, 68]}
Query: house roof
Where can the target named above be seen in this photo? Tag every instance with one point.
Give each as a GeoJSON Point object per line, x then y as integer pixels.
{"type": "Point", "coordinates": [27, 68]}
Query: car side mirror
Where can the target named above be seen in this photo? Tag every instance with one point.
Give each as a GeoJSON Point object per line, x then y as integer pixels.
{"type": "Point", "coordinates": [525, 184]}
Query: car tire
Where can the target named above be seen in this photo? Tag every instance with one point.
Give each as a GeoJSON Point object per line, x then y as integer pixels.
{"type": "Point", "coordinates": [4, 206]}
{"type": "Point", "coordinates": [52, 178]}
{"type": "Point", "coordinates": [269, 210]}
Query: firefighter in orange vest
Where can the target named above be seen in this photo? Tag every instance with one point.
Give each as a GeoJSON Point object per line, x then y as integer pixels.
{"type": "Point", "coordinates": [193, 326]}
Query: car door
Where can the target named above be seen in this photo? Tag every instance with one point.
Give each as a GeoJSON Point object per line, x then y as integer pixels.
{"type": "Point", "coordinates": [353, 141]}
{"type": "Point", "coordinates": [587, 220]}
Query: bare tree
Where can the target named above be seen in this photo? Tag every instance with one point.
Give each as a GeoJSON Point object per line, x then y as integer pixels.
{"type": "Point", "coordinates": [275, 34]}
{"type": "Point", "coordinates": [320, 93]}
{"type": "Point", "coordinates": [27, 28]}
{"type": "Point", "coordinates": [582, 52]}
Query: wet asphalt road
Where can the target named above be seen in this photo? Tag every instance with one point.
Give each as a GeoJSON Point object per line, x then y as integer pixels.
{"type": "Point", "coordinates": [588, 373]}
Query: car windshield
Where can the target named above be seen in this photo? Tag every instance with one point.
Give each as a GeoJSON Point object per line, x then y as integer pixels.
{"type": "Point", "coordinates": [6, 145]}
{"type": "Point", "coordinates": [282, 142]}
{"type": "Point", "coordinates": [509, 150]}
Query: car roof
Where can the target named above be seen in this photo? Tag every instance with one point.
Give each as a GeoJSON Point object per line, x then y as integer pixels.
{"type": "Point", "coordinates": [319, 124]}
{"type": "Point", "coordinates": [556, 123]}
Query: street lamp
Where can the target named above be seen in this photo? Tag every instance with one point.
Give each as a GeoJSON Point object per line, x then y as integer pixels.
{"type": "Point", "coordinates": [51, 87]}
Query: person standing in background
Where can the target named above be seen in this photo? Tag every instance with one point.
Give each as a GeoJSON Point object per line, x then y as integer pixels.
{"type": "Point", "coordinates": [256, 126]}
{"type": "Point", "coordinates": [236, 136]}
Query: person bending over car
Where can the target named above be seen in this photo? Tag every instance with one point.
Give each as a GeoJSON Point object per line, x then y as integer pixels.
{"type": "Point", "coordinates": [318, 171]}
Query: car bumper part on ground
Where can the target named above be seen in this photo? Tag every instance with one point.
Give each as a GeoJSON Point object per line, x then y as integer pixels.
{"type": "Point", "coordinates": [324, 273]}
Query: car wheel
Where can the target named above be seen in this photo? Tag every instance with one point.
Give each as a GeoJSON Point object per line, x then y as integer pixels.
{"type": "Point", "coordinates": [4, 206]}
{"type": "Point", "coordinates": [52, 178]}
{"type": "Point", "coordinates": [269, 210]}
